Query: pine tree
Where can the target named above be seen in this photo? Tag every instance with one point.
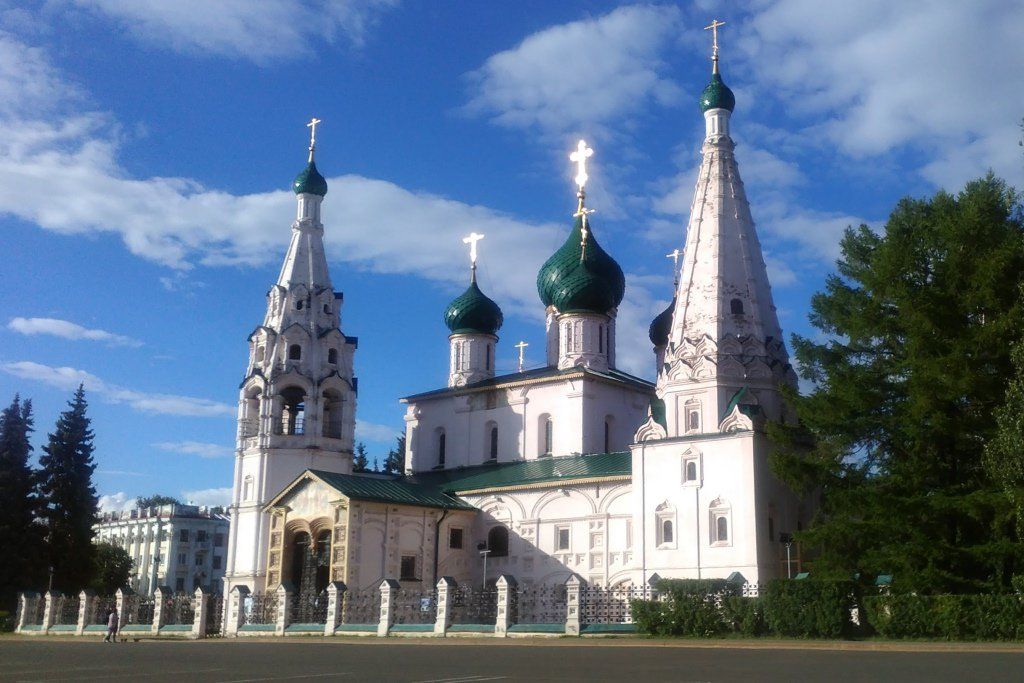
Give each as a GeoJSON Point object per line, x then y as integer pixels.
{"type": "Point", "coordinates": [919, 322]}
{"type": "Point", "coordinates": [21, 540]}
{"type": "Point", "coordinates": [360, 463]}
{"type": "Point", "coordinates": [394, 463]}
{"type": "Point", "coordinates": [70, 502]}
{"type": "Point", "coordinates": [1004, 453]}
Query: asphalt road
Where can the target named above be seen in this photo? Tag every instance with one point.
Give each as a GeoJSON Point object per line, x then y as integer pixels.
{"type": "Point", "coordinates": [455, 661]}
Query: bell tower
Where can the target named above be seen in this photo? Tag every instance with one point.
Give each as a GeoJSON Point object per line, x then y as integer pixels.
{"type": "Point", "coordinates": [297, 403]}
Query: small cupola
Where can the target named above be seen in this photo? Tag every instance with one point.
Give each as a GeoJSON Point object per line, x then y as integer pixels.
{"type": "Point", "coordinates": [661, 326]}
{"type": "Point", "coordinates": [473, 312]}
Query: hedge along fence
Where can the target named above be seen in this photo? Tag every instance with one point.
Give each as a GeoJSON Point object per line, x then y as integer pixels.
{"type": "Point", "coordinates": [949, 617]}
{"type": "Point", "coordinates": [707, 608]}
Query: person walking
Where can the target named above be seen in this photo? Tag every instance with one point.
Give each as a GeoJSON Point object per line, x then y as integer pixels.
{"type": "Point", "coordinates": [111, 636]}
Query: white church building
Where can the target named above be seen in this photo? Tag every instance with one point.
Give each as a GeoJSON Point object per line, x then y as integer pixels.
{"type": "Point", "coordinates": [576, 468]}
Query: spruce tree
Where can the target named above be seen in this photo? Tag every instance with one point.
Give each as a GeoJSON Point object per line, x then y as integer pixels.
{"type": "Point", "coordinates": [360, 463]}
{"type": "Point", "coordinates": [21, 540]}
{"type": "Point", "coordinates": [70, 502]}
{"type": "Point", "coordinates": [394, 463]}
{"type": "Point", "coordinates": [912, 359]}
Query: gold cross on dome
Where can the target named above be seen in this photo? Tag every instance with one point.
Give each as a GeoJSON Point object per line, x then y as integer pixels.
{"type": "Point", "coordinates": [471, 240]}
{"type": "Point", "coordinates": [713, 27]}
{"type": "Point", "coordinates": [580, 156]}
{"type": "Point", "coordinates": [312, 135]}
{"type": "Point", "coordinates": [674, 255]}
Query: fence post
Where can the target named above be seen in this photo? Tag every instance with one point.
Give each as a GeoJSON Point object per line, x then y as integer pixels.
{"type": "Point", "coordinates": [506, 586]}
{"type": "Point", "coordinates": [160, 597]}
{"type": "Point", "coordinates": [335, 596]}
{"type": "Point", "coordinates": [234, 610]}
{"type": "Point", "coordinates": [26, 605]}
{"type": "Point", "coordinates": [284, 598]}
{"type": "Point", "coordinates": [121, 599]}
{"type": "Point", "coordinates": [200, 605]}
{"type": "Point", "coordinates": [86, 610]}
{"type": "Point", "coordinates": [388, 587]}
{"type": "Point", "coordinates": [49, 611]}
{"type": "Point", "coordinates": [572, 606]}
{"type": "Point", "coordinates": [443, 619]}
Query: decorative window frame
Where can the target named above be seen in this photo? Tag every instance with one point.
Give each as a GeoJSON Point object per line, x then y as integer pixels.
{"type": "Point", "coordinates": [665, 512]}
{"type": "Point", "coordinates": [559, 528]}
{"type": "Point", "coordinates": [692, 405]}
{"type": "Point", "coordinates": [720, 509]}
{"type": "Point", "coordinates": [692, 456]}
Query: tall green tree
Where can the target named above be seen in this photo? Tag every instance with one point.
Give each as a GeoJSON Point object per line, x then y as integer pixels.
{"type": "Point", "coordinates": [112, 568]}
{"type": "Point", "coordinates": [918, 325]}
{"type": "Point", "coordinates": [394, 463]}
{"type": "Point", "coordinates": [70, 502]}
{"type": "Point", "coordinates": [21, 539]}
{"type": "Point", "coordinates": [1004, 453]}
{"type": "Point", "coordinates": [156, 500]}
{"type": "Point", "coordinates": [360, 462]}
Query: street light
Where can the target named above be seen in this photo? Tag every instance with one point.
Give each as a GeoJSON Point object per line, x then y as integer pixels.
{"type": "Point", "coordinates": [484, 552]}
{"type": "Point", "coordinates": [788, 540]}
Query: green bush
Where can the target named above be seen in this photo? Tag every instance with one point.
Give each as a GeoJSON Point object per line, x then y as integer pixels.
{"type": "Point", "coordinates": [6, 621]}
{"type": "Point", "coordinates": [949, 617]}
{"type": "Point", "coordinates": [691, 607]}
{"type": "Point", "coordinates": [809, 608]}
{"type": "Point", "coordinates": [745, 616]}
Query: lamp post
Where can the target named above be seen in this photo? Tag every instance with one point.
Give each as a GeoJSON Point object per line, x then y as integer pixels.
{"type": "Point", "coordinates": [484, 552]}
{"type": "Point", "coordinates": [788, 540]}
{"type": "Point", "coordinates": [50, 589]}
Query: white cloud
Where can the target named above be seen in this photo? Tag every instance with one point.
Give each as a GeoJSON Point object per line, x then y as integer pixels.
{"type": "Point", "coordinates": [368, 431]}
{"type": "Point", "coordinates": [209, 497]}
{"type": "Point", "coordinates": [68, 379]}
{"type": "Point", "coordinates": [203, 450]}
{"type": "Point", "coordinates": [263, 31]}
{"type": "Point", "coordinates": [872, 77]}
{"type": "Point", "coordinates": [582, 74]}
{"type": "Point", "coordinates": [116, 502]}
{"type": "Point", "coordinates": [69, 330]}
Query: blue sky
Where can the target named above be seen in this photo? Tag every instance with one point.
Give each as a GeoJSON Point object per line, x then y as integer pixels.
{"type": "Point", "coordinates": [147, 147]}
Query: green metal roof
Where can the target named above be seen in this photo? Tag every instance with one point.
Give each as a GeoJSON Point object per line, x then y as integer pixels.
{"type": "Point", "coordinates": [310, 180]}
{"type": "Point", "coordinates": [549, 372]}
{"type": "Point", "coordinates": [542, 470]}
{"type": "Point", "coordinates": [473, 312]}
{"type": "Point", "coordinates": [574, 281]}
{"type": "Point", "coordinates": [398, 490]}
{"type": "Point", "coordinates": [717, 95]}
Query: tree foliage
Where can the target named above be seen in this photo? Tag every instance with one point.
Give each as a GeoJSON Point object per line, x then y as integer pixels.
{"type": "Point", "coordinates": [71, 505]}
{"type": "Point", "coordinates": [912, 359]}
{"type": "Point", "coordinates": [394, 463]}
{"type": "Point", "coordinates": [20, 534]}
{"type": "Point", "coordinates": [156, 500]}
{"type": "Point", "coordinates": [111, 568]}
{"type": "Point", "coordinates": [360, 462]}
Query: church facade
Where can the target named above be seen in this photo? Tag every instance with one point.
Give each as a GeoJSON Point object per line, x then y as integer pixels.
{"type": "Point", "coordinates": [576, 468]}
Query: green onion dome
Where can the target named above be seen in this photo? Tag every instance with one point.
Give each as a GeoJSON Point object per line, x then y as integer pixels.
{"type": "Point", "coordinates": [661, 326]}
{"type": "Point", "coordinates": [574, 283]}
{"type": "Point", "coordinates": [310, 181]}
{"type": "Point", "coordinates": [717, 95]}
{"type": "Point", "coordinates": [472, 312]}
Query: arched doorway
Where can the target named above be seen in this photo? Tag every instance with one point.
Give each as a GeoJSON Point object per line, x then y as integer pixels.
{"type": "Point", "coordinates": [309, 572]}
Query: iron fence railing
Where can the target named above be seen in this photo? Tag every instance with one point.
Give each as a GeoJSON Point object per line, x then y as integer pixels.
{"type": "Point", "coordinates": [414, 607]}
{"type": "Point", "coordinates": [538, 604]}
{"type": "Point", "coordinates": [610, 605]}
{"type": "Point", "coordinates": [179, 609]}
{"type": "Point", "coordinates": [259, 608]}
{"type": "Point", "coordinates": [473, 605]}
{"type": "Point", "coordinates": [308, 608]}
{"type": "Point", "coordinates": [214, 614]}
{"type": "Point", "coordinates": [360, 607]}
{"type": "Point", "coordinates": [66, 609]}
{"type": "Point", "coordinates": [104, 605]}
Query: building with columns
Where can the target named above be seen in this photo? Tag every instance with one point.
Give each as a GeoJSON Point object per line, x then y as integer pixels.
{"type": "Point", "coordinates": [575, 468]}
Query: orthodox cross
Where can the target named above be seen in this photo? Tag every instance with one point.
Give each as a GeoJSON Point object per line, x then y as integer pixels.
{"type": "Point", "coordinates": [580, 157]}
{"type": "Point", "coordinates": [674, 255]}
{"type": "Point", "coordinates": [471, 240]}
{"type": "Point", "coordinates": [521, 346]}
{"type": "Point", "coordinates": [312, 135]}
{"type": "Point", "coordinates": [713, 27]}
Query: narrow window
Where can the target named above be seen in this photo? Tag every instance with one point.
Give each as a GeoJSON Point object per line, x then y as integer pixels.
{"type": "Point", "coordinates": [183, 536]}
{"type": "Point", "coordinates": [332, 356]}
{"type": "Point", "coordinates": [666, 531]}
{"type": "Point", "coordinates": [327, 309]}
{"type": "Point", "coordinates": [736, 306]}
{"type": "Point", "coordinates": [722, 528]}
{"type": "Point", "coordinates": [691, 470]}
{"type": "Point", "coordinates": [548, 434]}
{"type": "Point", "coordinates": [607, 436]}
{"type": "Point", "coordinates": [216, 561]}
{"type": "Point", "coordinates": [294, 352]}
{"type": "Point", "coordinates": [408, 568]}
{"type": "Point", "coordinates": [259, 354]}
{"type": "Point", "coordinates": [179, 584]}
{"type": "Point", "coordinates": [497, 541]}
{"type": "Point", "coordinates": [771, 529]}
{"type": "Point", "coordinates": [629, 533]}
{"type": "Point", "coordinates": [600, 338]}
{"type": "Point", "coordinates": [182, 559]}
{"type": "Point", "coordinates": [562, 538]}
{"type": "Point", "coordinates": [440, 448]}
{"type": "Point", "coordinates": [455, 538]}
{"type": "Point", "coordinates": [298, 305]}
{"type": "Point", "coordinates": [693, 421]}
{"type": "Point", "coordinates": [494, 443]}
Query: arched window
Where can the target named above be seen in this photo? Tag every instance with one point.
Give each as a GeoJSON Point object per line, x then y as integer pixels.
{"type": "Point", "coordinates": [497, 541]}
{"type": "Point", "coordinates": [327, 309]}
{"type": "Point", "coordinates": [298, 305]}
{"type": "Point", "coordinates": [665, 516]}
{"type": "Point", "coordinates": [692, 420]}
{"type": "Point", "coordinates": [720, 511]}
{"type": "Point", "coordinates": [247, 487]}
{"type": "Point", "coordinates": [666, 531]}
{"type": "Point", "coordinates": [494, 443]}
{"type": "Point", "coordinates": [722, 529]}
{"type": "Point", "coordinates": [691, 470]}
{"type": "Point", "coordinates": [333, 414]}
{"type": "Point", "coordinates": [332, 356]}
{"type": "Point", "coordinates": [600, 338]}
{"type": "Point", "coordinates": [441, 448]}
{"type": "Point", "coordinates": [259, 354]}
{"type": "Point", "coordinates": [549, 433]}
{"type": "Point", "coordinates": [736, 306]}
{"type": "Point", "coordinates": [294, 352]}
